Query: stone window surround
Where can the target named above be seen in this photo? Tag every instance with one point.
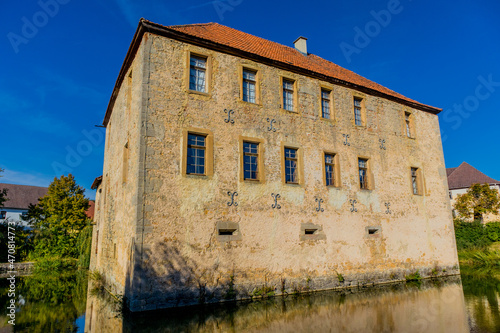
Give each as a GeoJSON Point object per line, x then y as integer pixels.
{"type": "Point", "coordinates": [369, 173]}
{"type": "Point", "coordinates": [356, 94]}
{"type": "Point", "coordinates": [209, 151]}
{"type": "Point", "coordinates": [407, 111]}
{"type": "Point", "coordinates": [295, 94]}
{"type": "Point", "coordinates": [336, 161]}
{"type": "Point", "coordinates": [300, 163]}
{"type": "Point", "coordinates": [208, 73]}
{"type": "Point", "coordinates": [260, 159]}
{"type": "Point", "coordinates": [332, 113]}
{"type": "Point", "coordinates": [420, 181]}
{"type": "Point", "coordinates": [258, 81]}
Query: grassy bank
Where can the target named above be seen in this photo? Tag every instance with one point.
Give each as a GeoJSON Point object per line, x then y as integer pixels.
{"type": "Point", "coordinates": [478, 244]}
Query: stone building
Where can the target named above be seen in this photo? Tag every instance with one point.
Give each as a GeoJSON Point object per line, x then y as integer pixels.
{"type": "Point", "coordinates": [237, 167]}
{"type": "Point", "coordinates": [461, 178]}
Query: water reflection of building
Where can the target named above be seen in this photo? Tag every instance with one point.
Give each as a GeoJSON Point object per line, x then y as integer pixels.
{"type": "Point", "coordinates": [397, 308]}
{"type": "Point", "coordinates": [236, 166]}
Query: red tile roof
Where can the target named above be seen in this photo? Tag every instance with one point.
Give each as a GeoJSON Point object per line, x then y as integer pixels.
{"type": "Point", "coordinates": [20, 196]}
{"type": "Point", "coordinates": [240, 40]}
{"type": "Point", "coordinates": [465, 175]}
{"type": "Point", "coordinates": [232, 41]}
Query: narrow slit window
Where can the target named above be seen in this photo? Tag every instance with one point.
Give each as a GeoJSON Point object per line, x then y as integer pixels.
{"type": "Point", "coordinates": [249, 85]}
{"type": "Point", "coordinates": [330, 169]}
{"type": "Point", "coordinates": [291, 166]}
{"type": "Point", "coordinates": [325, 103]}
{"type": "Point", "coordinates": [288, 94]}
{"type": "Point", "coordinates": [414, 180]}
{"type": "Point", "coordinates": [196, 148]}
{"type": "Point", "coordinates": [357, 112]}
{"type": "Point", "coordinates": [310, 231]}
{"type": "Point", "coordinates": [197, 73]}
{"type": "Point", "coordinates": [251, 160]}
{"type": "Point", "coordinates": [363, 173]}
{"type": "Point", "coordinates": [408, 124]}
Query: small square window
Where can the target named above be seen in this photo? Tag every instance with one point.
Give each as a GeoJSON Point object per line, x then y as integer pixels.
{"type": "Point", "coordinates": [325, 103]}
{"type": "Point", "coordinates": [197, 73]}
{"type": "Point", "coordinates": [3, 215]}
{"type": "Point", "coordinates": [291, 166]}
{"type": "Point", "coordinates": [363, 173]}
{"type": "Point", "coordinates": [249, 85]}
{"type": "Point", "coordinates": [358, 118]}
{"type": "Point", "coordinates": [288, 94]}
{"type": "Point", "coordinates": [196, 148]}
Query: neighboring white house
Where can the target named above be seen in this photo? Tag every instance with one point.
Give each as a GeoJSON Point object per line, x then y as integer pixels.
{"type": "Point", "coordinates": [19, 197]}
{"type": "Point", "coordinates": [461, 178]}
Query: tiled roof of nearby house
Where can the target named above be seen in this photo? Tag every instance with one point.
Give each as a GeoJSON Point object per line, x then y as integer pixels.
{"type": "Point", "coordinates": [20, 196]}
{"type": "Point", "coordinates": [465, 175]}
{"type": "Point", "coordinates": [91, 210]}
{"type": "Point", "coordinates": [96, 183]}
{"type": "Point", "coordinates": [232, 41]}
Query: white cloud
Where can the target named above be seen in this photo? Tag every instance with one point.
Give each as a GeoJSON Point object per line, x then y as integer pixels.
{"type": "Point", "coordinates": [22, 178]}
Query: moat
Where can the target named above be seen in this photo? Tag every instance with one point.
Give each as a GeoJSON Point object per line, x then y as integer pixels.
{"type": "Point", "coordinates": [469, 303]}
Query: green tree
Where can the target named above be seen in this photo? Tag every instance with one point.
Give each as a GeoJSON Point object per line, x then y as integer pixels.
{"type": "Point", "coordinates": [480, 199]}
{"type": "Point", "coordinates": [3, 193]}
{"type": "Point", "coordinates": [58, 219]}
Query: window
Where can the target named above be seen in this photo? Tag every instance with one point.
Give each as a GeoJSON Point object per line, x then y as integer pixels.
{"type": "Point", "coordinates": [330, 169]}
{"type": "Point", "coordinates": [291, 166]}
{"type": "Point", "coordinates": [250, 160]}
{"type": "Point", "coordinates": [363, 173]}
{"type": "Point", "coordinates": [196, 154]}
{"type": "Point", "coordinates": [249, 85]}
{"type": "Point", "coordinates": [358, 120]}
{"type": "Point", "coordinates": [415, 181]}
{"type": "Point", "coordinates": [3, 215]}
{"type": "Point", "coordinates": [407, 124]}
{"type": "Point", "coordinates": [288, 94]}
{"type": "Point", "coordinates": [197, 73]}
{"type": "Point", "coordinates": [325, 103]}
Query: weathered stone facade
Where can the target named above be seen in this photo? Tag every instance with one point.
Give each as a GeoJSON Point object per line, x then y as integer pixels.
{"type": "Point", "coordinates": [159, 243]}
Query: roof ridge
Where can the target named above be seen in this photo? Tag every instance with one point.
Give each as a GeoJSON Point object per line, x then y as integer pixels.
{"type": "Point", "coordinates": [190, 25]}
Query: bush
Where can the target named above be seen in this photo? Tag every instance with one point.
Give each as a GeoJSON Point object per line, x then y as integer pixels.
{"type": "Point", "coordinates": [493, 231]}
{"type": "Point", "coordinates": [471, 235]}
{"type": "Point", "coordinates": [23, 241]}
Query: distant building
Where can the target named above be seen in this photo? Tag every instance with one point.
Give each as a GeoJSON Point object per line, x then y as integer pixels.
{"type": "Point", "coordinates": [461, 178]}
{"type": "Point", "coordinates": [236, 166]}
{"type": "Point", "coordinates": [19, 198]}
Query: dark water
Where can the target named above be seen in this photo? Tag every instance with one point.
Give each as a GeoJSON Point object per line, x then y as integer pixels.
{"type": "Point", "coordinates": [466, 304]}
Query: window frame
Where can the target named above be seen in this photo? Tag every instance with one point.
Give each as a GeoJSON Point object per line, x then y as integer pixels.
{"type": "Point", "coordinates": [418, 181]}
{"type": "Point", "coordinates": [295, 108]}
{"type": "Point", "coordinates": [300, 164]}
{"type": "Point", "coordinates": [362, 97]}
{"type": "Point", "coordinates": [330, 101]}
{"type": "Point", "coordinates": [209, 152]}
{"type": "Point", "coordinates": [241, 71]}
{"type": "Point", "coordinates": [410, 121]}
{"type": "Point", "coordinates": [336, 169]}
{"type": "Point", "coordinates": [260, 159]}
{"type": "Point", "coordinates": [208, 72]}
{"type": "Point", "coordinates": [370, 184]}
{"type": "Point", "coordinates": [3, 214]}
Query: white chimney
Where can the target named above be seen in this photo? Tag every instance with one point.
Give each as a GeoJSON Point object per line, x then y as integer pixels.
{"type": "Point", "coordinates": [301, 45]}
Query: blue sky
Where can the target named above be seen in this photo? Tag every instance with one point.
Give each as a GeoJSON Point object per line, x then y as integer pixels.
{"type": "Point", "coordinates": [61, 59]}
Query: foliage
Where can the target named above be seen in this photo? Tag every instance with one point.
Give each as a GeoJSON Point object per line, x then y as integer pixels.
{"type": "Point", "coordinates": [51, 298]}
{"type": "Point", "coordinates": [23, 241]}
{"type": "Point", "coordinates": [58, 219]}
{"type": "Point", "coordinates": [480, 199]}
{"type": "Point", "coordinates": [3, 193]}
{"type": "Point", "coordinates": [84, 244]}
{"type": "Point", "coordinates": [493, 231]}
{"type": "Point", "coordinates": [340, 277]}
{"type": "Point", "coordinates": [480, 257]}
{"type": "Point", "coordinates": [413, 277]}
{"type": "Point", "coordinates": [471, 235]}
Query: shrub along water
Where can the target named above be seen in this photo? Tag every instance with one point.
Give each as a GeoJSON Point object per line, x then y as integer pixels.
{"type": "Point", "coordinates": [474, 241]}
